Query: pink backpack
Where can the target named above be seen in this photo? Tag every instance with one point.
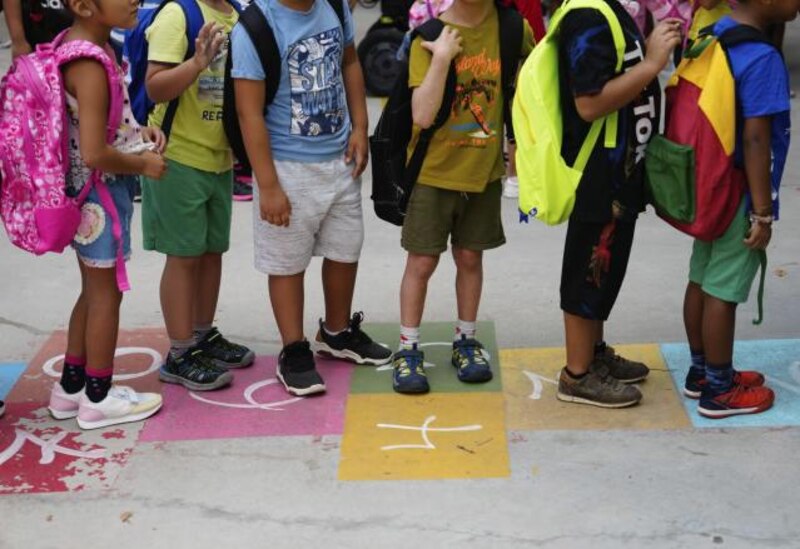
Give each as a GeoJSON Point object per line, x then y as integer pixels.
{"type": "Point", "coordinates": [37, 213]}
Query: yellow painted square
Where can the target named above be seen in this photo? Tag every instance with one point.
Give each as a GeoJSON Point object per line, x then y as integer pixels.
{"type": "Point", "coordinates": [384, 439]}
{"type": "Point", "coordinates": [530, 386]}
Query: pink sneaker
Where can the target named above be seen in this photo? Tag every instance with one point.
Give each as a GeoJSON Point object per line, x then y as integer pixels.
{"type": "Point", "coordinates": [121, 405]}
{"type": "Point", "coordinates": [62, 404]}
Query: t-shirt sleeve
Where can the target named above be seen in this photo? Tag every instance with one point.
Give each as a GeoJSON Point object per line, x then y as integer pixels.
{"type": "Point", "coordinates": [587, 49]}
{"type": "Point", "coordinates": [419, 61]}
{"type": "Point", "coordinates": [245, 63]}
{"type": "Point", "coordinates": [166, 37]}
{"type": "Point", "coordinates": [764, 86]}
{"type": "Point", "coordinates": [349, 33]}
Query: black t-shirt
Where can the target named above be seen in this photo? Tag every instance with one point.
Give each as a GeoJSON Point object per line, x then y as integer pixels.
{"type": "Point", "coordinates": [587, 58]}
{"type": "Point", "coordinates": [44, 19]}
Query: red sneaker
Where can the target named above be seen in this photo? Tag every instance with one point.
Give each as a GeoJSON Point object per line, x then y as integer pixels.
{"type": "Point", "coordinates": [694, 385]}
{"type": "Point", "coordinates": [741, 399]}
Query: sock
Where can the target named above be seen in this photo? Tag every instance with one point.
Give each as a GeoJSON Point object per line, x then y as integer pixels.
{"type": "Point", "coordinates": [465, 329]}
{"type": "Point", "coordinates": [73, 375]}
{"type": "Point", "coordinates": [719, 377]}
{"type": "Point", "coordinates": [330, 332]}
{"type": "Point", "coordinates": [575, 376]}
{"type": "Point", "coordinates": [179, 346]}
{"type": "Point", "coordinates": [98, 382]}
{"type": "Point", "coordinates": [409, 337]}
{"type": "Point", "coordinates": [600, 348]}
{"type": "Point", "coordinates": [202, 330]}
{"type": "Point", "coordinates": [698, 367]}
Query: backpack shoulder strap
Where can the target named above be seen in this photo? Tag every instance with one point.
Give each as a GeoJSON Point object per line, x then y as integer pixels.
{"type": "Point", "coordinates": [194, 22]}
{"type": "Point", "coordinates": [338, 7]}
{"type": "Point", "coordinates": [263, 37]}
{"type": "Point", "coordinates": [741, 34]}
{"type": "Point", "coordinates": [430, 31]}
{"type": "Point", "coordinates": [512, 30]}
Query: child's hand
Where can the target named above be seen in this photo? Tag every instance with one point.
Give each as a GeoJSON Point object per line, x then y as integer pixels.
{"type": "Point", "coordinates": [664, 38]}
{"type": "Point", "coordinates": [447, 46]}
{"type": "Point", "coordinates": [275, 206]}
{"type": "Point", "coordinates": [759, 236]}
{"type": "Point", "coordinates": [153, 134]}
{"type": "Point", "coordinates": [357, 152]}
{"type": "Point", "coordinates": [207, 44]}
{"type": "Point", "coordinates": [154, 165]}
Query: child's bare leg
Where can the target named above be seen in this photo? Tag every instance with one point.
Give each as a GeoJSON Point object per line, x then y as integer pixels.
{"type": "Point", "coordinates": [208, 279]}
{"type": "Point", "coordinates": [581, 335]}
{"type": "Point", "coordinates": [338, 285]}
{"type": "Point", "coordinates": [719, 322]}
{"type": "Point", "coordinates": [178, 292]}
{"type": "Point", "coordinates": [103, 300]}
{"type": "Point", "coordinates": [286, 296]}
{"type": "Point", "coordinates": [693, 316]}
{"type": "Point", "coordinates": [76, 333]}
{"type": "Point", "coordinates": [469, 282]}
{"type": "Point", "coordinates": [414, 288]}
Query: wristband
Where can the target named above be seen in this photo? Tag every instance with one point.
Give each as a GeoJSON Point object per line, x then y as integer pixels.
{"type": "Point", "coordinates": [761, 219]}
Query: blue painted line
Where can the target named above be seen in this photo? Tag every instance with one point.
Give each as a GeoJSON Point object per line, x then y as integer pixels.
{"type": "Point", "coordinates": [10, 372]}
{"type": "Point", "coordinates": [778, 359]}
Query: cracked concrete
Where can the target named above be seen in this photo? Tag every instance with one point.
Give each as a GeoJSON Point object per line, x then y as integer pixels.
{"type": "Point", "coordinates": [728, 488]}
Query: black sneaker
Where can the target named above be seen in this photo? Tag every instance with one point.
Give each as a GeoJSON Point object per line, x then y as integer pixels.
{"type": "Point", "coordinates": [297, 370]}
{"type": "Point", "coordinates": [242, 191]}
{"type": "Point", "coordinates": [2, 408]}
{"type": "Point", "coordinates": [352, 344]}
{"type": "Point", "coordinates": [195, 371]}
{"type": "Point", "coordinates": [224, 353]}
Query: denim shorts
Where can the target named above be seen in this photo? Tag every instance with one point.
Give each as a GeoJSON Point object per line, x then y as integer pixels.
{"type": "Point", "coordinates": [94, 241]}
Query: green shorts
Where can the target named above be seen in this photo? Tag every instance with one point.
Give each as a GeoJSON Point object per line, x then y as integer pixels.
{"type": "Point", "coordinates": [187, 213]}
{"type": "Point", "coordinates": [471, 220]}
{"type": "Point", "coordinates": [725, 268]}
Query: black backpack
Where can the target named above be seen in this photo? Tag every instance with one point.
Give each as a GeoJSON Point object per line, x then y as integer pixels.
{"type": "Point", "coordinates": [393, 177]}
{"type": "Point", "coordinates": [263, 37]}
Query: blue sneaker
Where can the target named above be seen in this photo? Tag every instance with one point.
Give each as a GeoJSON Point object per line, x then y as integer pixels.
{"type": "Point", "coordinates": [409, 375]}
{"type": "Point", "coordinates": [471, 361]}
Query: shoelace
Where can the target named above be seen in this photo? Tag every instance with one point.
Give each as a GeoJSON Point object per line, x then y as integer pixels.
{"type": "Point", "coordinates": [412, 363]}
{"type": "Point", "coordinates": [473, 352]}
{"type": "Point", "coordinates": [219, 340]}
{"type": "Point", "coordinates": [124, 393]}
{"type": "Point", "coordinates": [358, 335]}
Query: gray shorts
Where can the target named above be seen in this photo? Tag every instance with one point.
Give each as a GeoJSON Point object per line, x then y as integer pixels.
{"type": "Point", "coordinates": [327, 219]}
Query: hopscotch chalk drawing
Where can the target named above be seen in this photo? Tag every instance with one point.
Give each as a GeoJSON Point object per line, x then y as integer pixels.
{"type": "Point", "coordinates": [794, 373]}
{"type": "Point", "coordinates": [155, 362]}
{"type": "Point", "coordinates": [537, 380]}
{"type": "Point", "coordinates": [423, 430]}
{"type": "Point", "coordinates": [252, 403]}
{"type": "Point", "coordinates": [49, 448]}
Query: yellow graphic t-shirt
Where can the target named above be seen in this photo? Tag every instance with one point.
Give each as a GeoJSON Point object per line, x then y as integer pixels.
{"type": "Point", "coordinates": [467, 152]}
{"type": "Point", "coordinates": [197, 138]}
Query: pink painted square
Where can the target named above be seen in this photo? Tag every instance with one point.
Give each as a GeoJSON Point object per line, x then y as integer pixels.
{"type": "Point", "coordinates": [254, 405]}
{"type": "Point", "coordinates": [39, 454]}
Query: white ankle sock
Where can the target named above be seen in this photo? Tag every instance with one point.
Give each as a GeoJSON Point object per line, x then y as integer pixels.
{"type": "Point", "coordinates": [409, 337]}
{"type": "Point", "coordinates": [466, 329]}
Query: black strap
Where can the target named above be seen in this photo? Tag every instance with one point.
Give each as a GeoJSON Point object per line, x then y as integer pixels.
{"type": "Point", "coordinates": [511, 33]}
{"type": "Point", "coordinates": [338, 7]}
{"type": "Point", "coordinates": [263, 38]}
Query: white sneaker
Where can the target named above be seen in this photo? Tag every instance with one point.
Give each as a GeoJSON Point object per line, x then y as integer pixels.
{"type": "Point", "coordinates": [63, 405]}
{"type": "Point", "coordinates": [122, 405]}
{"type": "Point", "coordinates": [511, 187]}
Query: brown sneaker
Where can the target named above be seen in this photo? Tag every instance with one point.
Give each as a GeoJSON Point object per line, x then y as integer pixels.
{"type": "Point", "coordinates": [609, 363]}
{"type": "Point", "coordinates": [597, 390]}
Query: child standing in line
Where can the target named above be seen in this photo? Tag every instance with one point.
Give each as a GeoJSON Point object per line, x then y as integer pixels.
{"type": "Point", "coordinates": [458, 193]}
{"type": "Point", "coordinates": [85, 388]}
{"type": "Point", "coordinates": [721, 272]}
{"type": "Point", "coordinates": [308, 154]}
{"type": "Point", "coordinates": [610, 194]}
{"type": "Point", "coordinates": [33, 22]}
{"type": "Point", "coordinates": [187, 215]}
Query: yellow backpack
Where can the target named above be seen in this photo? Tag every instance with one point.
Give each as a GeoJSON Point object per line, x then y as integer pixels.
{"type": "Point", "coordinates": [546, 183]}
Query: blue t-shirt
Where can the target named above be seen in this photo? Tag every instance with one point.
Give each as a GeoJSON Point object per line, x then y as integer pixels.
{"type": "Point", "coordinates": [762, 89]}
{"type": "Point", "coordinates": [308, 121]}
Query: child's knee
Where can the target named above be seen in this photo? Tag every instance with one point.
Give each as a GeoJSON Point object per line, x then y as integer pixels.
{"type": "Point", "coordinates": [421, 266]}
{"type": "Point", "coordinates": [468, 260]}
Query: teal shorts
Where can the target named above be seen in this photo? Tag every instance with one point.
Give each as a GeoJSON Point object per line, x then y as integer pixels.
{"type": "Point", "coordinates": [187, 213]}
{"type": "Point", "coordinates": [725, 268]}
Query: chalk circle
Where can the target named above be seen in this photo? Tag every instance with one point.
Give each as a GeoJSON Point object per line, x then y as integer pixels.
{"type": "Point", "coordinates": [155, 363]}
{"type": "Point", "coordinates": [252, 403]}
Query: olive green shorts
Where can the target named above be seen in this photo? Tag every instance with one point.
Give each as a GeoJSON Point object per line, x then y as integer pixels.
{"type": "Point", "coordinates": [725, 268]}
{"type": "Point", "coordinates": [187, 213]}
{"type": "Point", "coordinates": [471, 220]}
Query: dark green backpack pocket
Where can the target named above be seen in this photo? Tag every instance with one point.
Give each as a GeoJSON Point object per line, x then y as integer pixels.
{"type": "Point", "coordinates": [669, 176]}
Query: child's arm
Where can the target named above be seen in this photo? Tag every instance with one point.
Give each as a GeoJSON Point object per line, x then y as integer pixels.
{"type": "Point", "coordinates": [86, 80]}
{"type": "Point", "coordinates": [166, 82]}
{"type": "Point", "coordinates": [357, 105]}
{"type": "Point", "coordinates": [622, 89]}
{"type": "Point", "coordinates": [16, 30]}
{"type": "Point", "coordinates": [426, 99]}
{"type": "Point", "coordinates": [274, 204]}
{"type": "Point", "coordinates": [757, 144]}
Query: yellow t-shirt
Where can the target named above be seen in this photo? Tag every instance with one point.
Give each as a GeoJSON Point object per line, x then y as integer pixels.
{"type": "Point", "coordinates": [704, 18]}
{"type": "Point", "coordinates": [197, 138]}
{"type": "Point", "coordinates": [467, 152]}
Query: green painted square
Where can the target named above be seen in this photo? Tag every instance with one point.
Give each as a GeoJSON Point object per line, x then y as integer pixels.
{"type": "Point", "coordinates": [437, 340]}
